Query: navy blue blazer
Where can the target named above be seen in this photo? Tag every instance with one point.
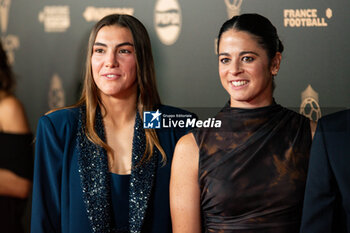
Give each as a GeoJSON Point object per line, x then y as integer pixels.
{"type": "Point", "coordinates": [327, 195]}
{"type": "Point", "coordinates": [58, 203]}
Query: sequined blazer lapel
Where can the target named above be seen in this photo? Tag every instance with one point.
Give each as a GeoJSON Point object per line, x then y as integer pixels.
{"type": "Point", "coordinates": [95, 179]}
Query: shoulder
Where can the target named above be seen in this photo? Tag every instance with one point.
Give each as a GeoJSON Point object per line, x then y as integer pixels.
{"type": "Point", "coordinates": [187, 146]}
{"type": "Point", "coordinates": [61, 119]}
{"type": "Point", "coordinates": [338, 121]}
{"type": "Point", "coordinates": [296, 115]}
{"type": "Point", "coordinates": [11, 106]}
{"type": "Point", "coordinates": [66, 113]}
{"type": "Point", "coordinates": [296, 118]}
{"type": "Point", "coordinates": [12, 116]}
{"type": "Point", "coordinates": [302, 120]}
{"type": "Point", "coordinates": [342, 116]}
{"type": "Point", "coordinates": [187, 142]}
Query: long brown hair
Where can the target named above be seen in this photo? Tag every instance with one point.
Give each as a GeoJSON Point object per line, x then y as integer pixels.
{"type": "Point", "coordinates": [148, 97]}
{"type": "Point", "coordinates": [7, 81]}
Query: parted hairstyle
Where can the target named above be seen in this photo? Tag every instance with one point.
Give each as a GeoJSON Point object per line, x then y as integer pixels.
{"type": "Point", "coordinates": [7, 81]}
{"type": "Point", "coordinates": [148, 97]}
{"type": "Point", "coordinates": [260, 27]}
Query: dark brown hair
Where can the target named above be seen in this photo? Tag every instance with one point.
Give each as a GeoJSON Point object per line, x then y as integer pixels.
{"type": "Point", "coordinates": [258, 26]}
{"type": "Point", "coordinates": [7, 81]}
{"type": "Point", "coordinates": [148, 97]}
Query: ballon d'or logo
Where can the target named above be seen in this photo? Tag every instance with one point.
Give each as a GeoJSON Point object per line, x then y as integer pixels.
{"type": "Point", "coordinates": [233, 8]}
{"type": "Point", "coordinates": [167, 21]}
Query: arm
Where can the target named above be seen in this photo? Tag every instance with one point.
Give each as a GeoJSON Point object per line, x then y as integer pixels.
{"type": "Point", "coordinates": [13, 185]}
{"type": "Point", "coordinates": [13, 121]}
{"type": "Point", "coordinates": [184, 189]}
{"type": "Point", "coordinates": [320, 191]}
{"type": "Point", "coordinates": [47, 179]}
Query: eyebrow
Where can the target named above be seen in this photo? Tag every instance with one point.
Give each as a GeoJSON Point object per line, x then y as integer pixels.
{"type": "Point", "coordinates": [118, 45]}
{"type": "Point", "coordinates": [240, 54]}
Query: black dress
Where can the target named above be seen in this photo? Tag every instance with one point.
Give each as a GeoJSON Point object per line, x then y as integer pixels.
{"type": "Point", "coordinates": [17, 156]}
{"type": "Point", "coordinates": [252, 171]}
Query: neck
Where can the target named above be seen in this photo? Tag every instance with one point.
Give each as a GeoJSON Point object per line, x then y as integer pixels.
{"type": "Point", "coordinates": [119, 111]}
{"type": "Point", "coordinates": [252, 103]}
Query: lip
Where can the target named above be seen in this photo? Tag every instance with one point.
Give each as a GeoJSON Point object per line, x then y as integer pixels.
{"type": "Point", "coordinates": [111, 76]}
{"type": "Point", "coordinates": [238, 80]}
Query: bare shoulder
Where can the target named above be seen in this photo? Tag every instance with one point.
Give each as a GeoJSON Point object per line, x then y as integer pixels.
{"type": "Point", "coordinates": [186, 148]}
{"type": "Point", "coordinates": [186, 157]}
{"type": "Point", "coordinates": [12, 116]}
{"type": "Point", "coordinates": [187, 141]}
{"type": "Point", "coordinates": [313, 126]}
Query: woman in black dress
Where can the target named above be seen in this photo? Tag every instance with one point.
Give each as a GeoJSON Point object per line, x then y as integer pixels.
{"type": "Point", "coordinates": [249, 175]}
{"type": "Point", "coordinates": [16, 156]}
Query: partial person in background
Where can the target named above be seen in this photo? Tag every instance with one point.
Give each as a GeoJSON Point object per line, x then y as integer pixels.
{"type": "Point", "coordinates": [16, 153]}
{"type": "Point", "coordinates": [249, 175]}
{"type": "Point", "coordinates": [327, 194]}
{"type": "Point", "coordinates": [96, 168]}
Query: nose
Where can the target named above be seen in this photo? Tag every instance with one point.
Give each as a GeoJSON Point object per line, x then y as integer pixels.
{"type": "Point", "coordinates": [111, 60]}
{"type": "Point", "coordinates": [236, 68]}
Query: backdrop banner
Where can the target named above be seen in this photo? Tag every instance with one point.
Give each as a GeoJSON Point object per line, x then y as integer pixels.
{"type": "Point", "coordinates": [46, 42]}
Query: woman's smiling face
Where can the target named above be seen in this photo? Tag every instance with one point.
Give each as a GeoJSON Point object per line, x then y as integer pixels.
{"type": "Point", "coordinates": [245, 69]}
{"type": "Point", "coordinates": [113, 62]}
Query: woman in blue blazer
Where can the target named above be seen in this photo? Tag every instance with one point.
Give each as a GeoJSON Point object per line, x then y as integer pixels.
{"type": "Point", "coordinates": [96, 168]}
{"type": "Point", "coordinates": [327, 195]}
